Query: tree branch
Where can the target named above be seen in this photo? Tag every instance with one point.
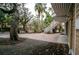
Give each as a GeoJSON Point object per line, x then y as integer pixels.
{"type": "Point", "coordinates": [10, 11]}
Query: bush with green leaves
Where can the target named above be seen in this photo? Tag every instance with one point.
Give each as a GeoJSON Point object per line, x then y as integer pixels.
{"type": "Point", "coordinates": [48, 19]}
{"type": "Point", "coordinates": [36, 26]}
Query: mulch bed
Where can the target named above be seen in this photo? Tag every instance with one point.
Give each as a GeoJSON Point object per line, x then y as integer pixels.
{"type": "Point", "coordinates": [52, 49]}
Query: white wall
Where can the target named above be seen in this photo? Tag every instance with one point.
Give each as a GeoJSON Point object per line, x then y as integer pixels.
{"type": "Point", "coordinates": [77, 23]}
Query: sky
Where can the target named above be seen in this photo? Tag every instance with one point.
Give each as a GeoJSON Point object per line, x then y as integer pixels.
{"type": "Point", "coordinates": [31, 8]}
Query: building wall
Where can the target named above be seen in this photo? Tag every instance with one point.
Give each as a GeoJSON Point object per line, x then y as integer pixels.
{"type": "Point", "coordinates": [77, 28]}
{"type": "Point", "coordinates": [77, 36]}
{"type": "Point", "coordinates": [77, 42]}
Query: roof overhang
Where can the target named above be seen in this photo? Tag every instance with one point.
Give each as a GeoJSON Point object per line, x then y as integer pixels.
{"type": "Point", "coordinates": [62, 11]}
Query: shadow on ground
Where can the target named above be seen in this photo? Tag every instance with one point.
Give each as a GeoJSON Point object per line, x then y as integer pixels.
{"type": "Point", "coordinates": [31, 47]}
{"type": "Point", "coordinates": [7, 41]}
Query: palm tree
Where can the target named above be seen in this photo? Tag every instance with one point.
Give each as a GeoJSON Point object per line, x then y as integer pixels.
{"type": "Point", "coordinates": [40, 8]}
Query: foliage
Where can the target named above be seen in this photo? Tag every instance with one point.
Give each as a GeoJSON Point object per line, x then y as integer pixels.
{"type": "Point", "coordinates": [48, 19]}
{"type": "Point", "coordinates": [22, 16]}
{"type": "Point", "coordinates": [4, 10]}
{"type": "Point", "coordinates": [8, 19]}
{"type": "Point", "coordinates": [40, 8]}
{"type": "Point", "coordinates": [25, 16]}
{"type": "Point", "coordinates": [36, 25]}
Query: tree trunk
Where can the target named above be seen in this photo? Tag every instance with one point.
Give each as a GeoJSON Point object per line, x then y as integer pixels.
{"type": "Point", "coordinates": [24, 28]}
{"type": "Point", "coordinates": [14, 26]}
{"type": "Point", "coordinates": [2, 27]}
{"type": "Point", "coordinates": [14, 31]}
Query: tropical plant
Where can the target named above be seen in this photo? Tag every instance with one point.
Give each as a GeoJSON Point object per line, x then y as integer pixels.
{"type": "Point", "coordinates": [40, 8]}
{"type": "Point", "coordinates": [48, 19]}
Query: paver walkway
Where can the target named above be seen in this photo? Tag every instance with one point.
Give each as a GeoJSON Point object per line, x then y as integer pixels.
{"type": "Point", "coordinates": [57, 38]}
